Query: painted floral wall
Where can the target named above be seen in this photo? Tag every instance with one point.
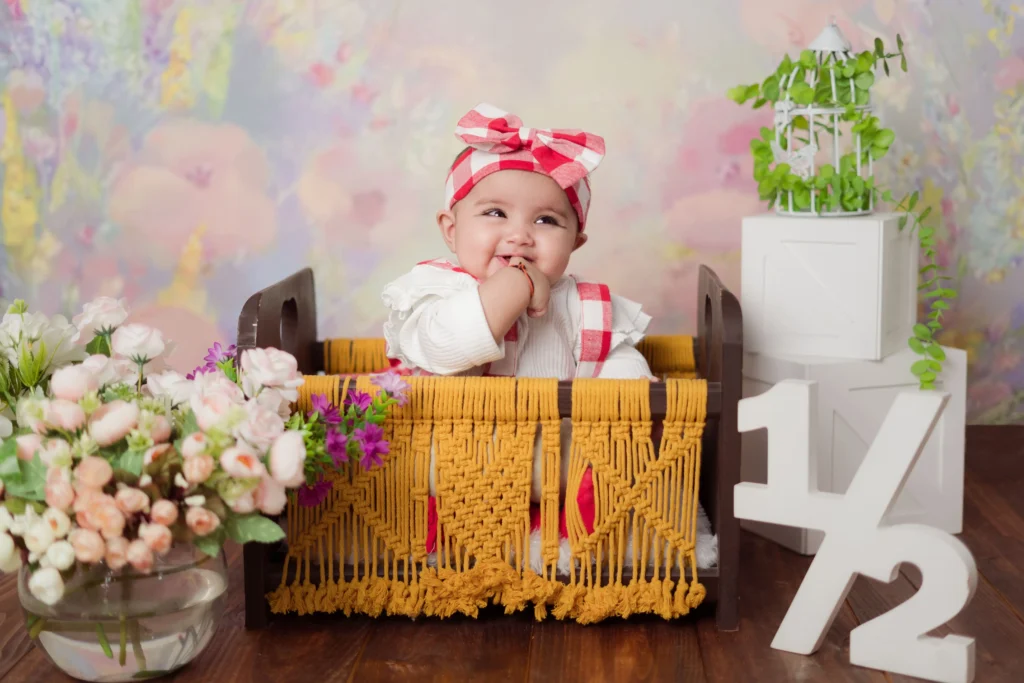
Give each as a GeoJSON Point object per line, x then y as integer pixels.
{"type": "Point", "coordinates": [184, 153]}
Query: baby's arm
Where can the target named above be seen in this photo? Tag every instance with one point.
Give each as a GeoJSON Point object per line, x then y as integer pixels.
{"type": "Point", "coordinates": [504, 296]}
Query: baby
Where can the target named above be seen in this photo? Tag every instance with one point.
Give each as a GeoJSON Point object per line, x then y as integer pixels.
{"type": "Point", "coordinates": [516, 203]}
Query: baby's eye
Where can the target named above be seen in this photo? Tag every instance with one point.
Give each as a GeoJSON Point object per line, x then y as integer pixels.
{"type": "Point", "coordinates": [495, 213]}
{"type": "Point", "coordinates": [550, 220]}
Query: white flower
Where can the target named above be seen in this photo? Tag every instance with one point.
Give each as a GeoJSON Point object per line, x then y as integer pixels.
{"type": "Point", "coordinates": [10, 558]}
{"type": "Point", "coordinates": [180, 481]}
{"type": "Point", "coordinates": [208, 383]}
{"type": "Point", "coordinates": [272, 368]}
{"type": "Point", "coordinates": [32, 333]}
{"type": "Point", "coordinates": [46, 586]}
{"type": "Point", "coordinates": [6, 428]}
{"type": "Point", "coordinates": [72, 382]}
{"type": "Point", "coordinates": [101, 314]}
{"type": "Point", "coordinates": [273, 400]}
{"type": "Point", "coordinates": [111, 370]}
{"type": "Point", "coordinates": [195, 501]}
{"type": "Point", "coordinates": [6, 519]}
{"type": "Point", "coordinates": [58, 521]}
{"type": "Point", "coordinates": [21, 523]}
{"type": "Point", "coordinates": [61, 555]}
{"type": "Point", "coordinates": [239, 463]}
{"type": "Point", "coordinates": [287, 459]}
{"type": "Point", "coordinates": [141, 343]}
{"type": "Point", "coordinates": [38, 537]}
{"type": "Point", "coordinates": [171, 384]}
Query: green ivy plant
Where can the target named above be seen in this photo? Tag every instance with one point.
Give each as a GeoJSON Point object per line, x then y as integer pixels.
{"type": "Point", "coordinates": [807, 82]}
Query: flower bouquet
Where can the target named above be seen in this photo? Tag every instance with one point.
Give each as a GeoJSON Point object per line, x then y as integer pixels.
{"type": "Point", "coordinates": [120, 485]}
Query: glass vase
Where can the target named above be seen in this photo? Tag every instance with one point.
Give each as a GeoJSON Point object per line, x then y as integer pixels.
{"type": "Point", "coordinates": [123, 625]}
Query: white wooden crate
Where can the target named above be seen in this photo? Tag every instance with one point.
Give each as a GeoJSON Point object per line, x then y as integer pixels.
{"type": "Point", "coordinates": [853, 399]}
{"type": "Point", "coordinates": [833, 287]}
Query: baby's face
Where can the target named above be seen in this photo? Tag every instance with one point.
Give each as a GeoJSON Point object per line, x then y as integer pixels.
{"type": "Point", "coordinates": [512, 213]}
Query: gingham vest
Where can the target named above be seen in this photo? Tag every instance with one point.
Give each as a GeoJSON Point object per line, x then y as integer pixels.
{"type": "Point", "coordinates": [595, 331]}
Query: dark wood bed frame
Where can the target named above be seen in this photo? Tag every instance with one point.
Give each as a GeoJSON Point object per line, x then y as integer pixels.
{"type": "Point", "coordinates": [284, 316]}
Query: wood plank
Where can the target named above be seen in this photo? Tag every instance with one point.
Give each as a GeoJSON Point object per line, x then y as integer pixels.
{"type": "Point", "coordinates": [640, 649]}
{"type": "Point", "coordinates": [14, 640]}
{"type": "Point", "coordinates": [493, 648]}
{"type": "Point", "coordinates": [771, 576]}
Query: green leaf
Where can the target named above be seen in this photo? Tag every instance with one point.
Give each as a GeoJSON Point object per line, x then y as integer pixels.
{"type": "Point", "coordinates": [253, 527]}
{"type": "Point", "coordinates": [927, 377]}
{"type": "Point", "coordinates": [807, 59]}
{"type": "Point", "coordinates": [826, 171]}
{"type": "Point", "coordinates": [879, 48]}
{"type": "Point", "coordinates": [189, 424]}
{"type": "Point", "coordinates": [920, 367]}
{"type": "Point", "coordinates": [941, 305]}
{"type": "Point", "coordinates": [131, 462]}
{"type": "Point", "coordinates": [801, 93]}
{"type": "Point", "coordinates": [903, 222]}
{"type": "Point", "coordinates": [865, 80]}
{"type": "Point", "coordinates": [885, 138]}
{"type": "Point", "coordinates": [849, 69]}
{"type": "Point", "coordinates": [737, 94]}
{"type": "Point", "coordinates": [864, 62]}
{"type": "Point", "coordinates": [885, 66]}
{"type": "Point", "coordinates": [30, 482]}
{"type": "Point", "coordinates": [936, 352]}
{"type": "Point", "coordinates": [899, 42]}
{"type": "Point", "coordinates": [916, 345]}
{"type": "Point", "coordinates": [98, 345]}
{"type": "Point", "coordinates": [211, 543]}
{"type": "Point", "coordinates": [922, 332]}
{"type": "Point", "coordinates": [903, 63]}
{"type": "Point", "coordinates": [9, 467]}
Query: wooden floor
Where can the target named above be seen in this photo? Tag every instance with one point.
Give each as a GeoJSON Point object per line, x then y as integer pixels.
{"type": "Point", "coordinates": [497, 648]}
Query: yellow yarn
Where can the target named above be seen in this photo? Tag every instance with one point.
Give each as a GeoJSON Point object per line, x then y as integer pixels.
{"type": "Point", "coordinates": [354, 356]}
{"type": "Point", "coordinates": [363, 549]}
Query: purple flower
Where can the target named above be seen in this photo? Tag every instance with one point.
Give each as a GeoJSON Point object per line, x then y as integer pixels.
{"type": "Point", "coordinates": [393, 384]}
{"type": "Point", "coordinates": [202, 369]}
{"type": "Point", "coordinates": [359, 399]}
{"type": "Point", "coordinates": [336, 446]}
{"type": "Point", "coordinates": [328, 411]}
{"type": "Point", "coordinates": [313, 495]}
{"type": "Point", "coordinates": [217, 354]}
{"type": "Point", "coordinates": [371, 438]}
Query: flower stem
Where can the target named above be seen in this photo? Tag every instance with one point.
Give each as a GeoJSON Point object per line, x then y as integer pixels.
{"type": "Point", "coordinates": [122, 654]}
{"type": "Point", "coordinates": [36, 628]}
{"type": "Point", "coordinates": [140, 655]}
{"type": "Point", "coordinates": [104, 643]}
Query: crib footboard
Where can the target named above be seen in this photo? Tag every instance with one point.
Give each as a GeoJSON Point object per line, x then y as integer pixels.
{"type": "Point", "coordinates": [719, 356]}
{"type": "Point", "coordinates": [284, 316]}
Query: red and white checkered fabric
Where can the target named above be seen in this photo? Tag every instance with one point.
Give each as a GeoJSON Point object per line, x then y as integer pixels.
{"type": "Point", "coordinates": [498, 141]}
{"type": "Point", "coordinates": [595, 331]}
{"type": "Point", "coordinates": [595, 328]}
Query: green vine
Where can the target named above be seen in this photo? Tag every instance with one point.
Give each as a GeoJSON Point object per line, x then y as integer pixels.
{"type": "Point", "coordinates": [808, 83]}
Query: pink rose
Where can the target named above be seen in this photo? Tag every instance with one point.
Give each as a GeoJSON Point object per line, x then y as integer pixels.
{"type": "Point", "coordinates": [140, 556]}
{"type": "Point", "coordinates": [64, 414]}
{"type": "Point", "coordinates": [140, 343]}
{"type": "Point", "coordinates": [104, 516]}
{"type": "Point", "coordinates": [201, 521]}
{"type": "Point", "coordinates": [59, 493]}
{"type": "Point", "coordinates": [154, 453]}
{"type": "Point", "coordinates": [244, 504]}
{"type": "Point", "coordinates": [241, 463]}
{"type": "Point", "coordinates": [89, 546]}
{"type": "Point", "coordinates": [113, 421]}
{"type": "Point", "coordinates": [164, 512]}
{"type": "Point", "coordinates": [111, 370]}
{"type": "Point", "coordinates": [156, 536]}
{"type": "Point", "coordinates": [72, 382]}
{"type": "Point", "coordinates": [172, 385]}
{"type": "Point", "coordinates": [129, 501]}
{"type": "Point", "coordinates": [262, 427]}
{"type": "Point", "coordinates": [28, 444]}
{"type": "Point", "coordinates": [270, 497]}
{"type": "Point", "coordinates": [270, 368]}
{"type": "Point", "coordinates": [194, 444]}
{"type": "Point", "coordinates": [287, 459]}
{"type": "Point", "coordinates": [117, 552]}
{"type": "Point", "coordinates": [85, 498]}
{"type": "Point", "coordinates": [160, 430]}
{"type": "Point", "coordinates": [274, 401]}
{"type": "Point", "coordinates": [101, 314]}
{"type": "Point", "coordinates": [93, 472]}
{"type": "Point", "coordinates": [210, 409]}
{"type": "Point", "coordinates": [217, 382]}
{"type": "Point", "coordinates": [198, 469]}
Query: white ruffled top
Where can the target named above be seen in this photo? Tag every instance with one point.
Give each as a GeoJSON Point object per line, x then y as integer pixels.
{"type": "Point", "coordinates": [436, 323]}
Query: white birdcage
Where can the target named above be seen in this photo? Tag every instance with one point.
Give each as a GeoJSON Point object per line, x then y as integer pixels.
{"type": "Point", "coordinates": [830, 44]}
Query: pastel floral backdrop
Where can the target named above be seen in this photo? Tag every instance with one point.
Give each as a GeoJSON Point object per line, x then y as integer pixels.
{"type": "Point", "coordinates": [185, 153]}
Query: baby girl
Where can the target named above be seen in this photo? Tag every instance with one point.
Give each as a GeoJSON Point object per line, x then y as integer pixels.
{"type": "Point", "coordinates": [516, 203]}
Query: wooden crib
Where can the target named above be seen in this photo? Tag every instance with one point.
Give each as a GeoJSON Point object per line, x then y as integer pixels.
{"type": "Point", "coordinates": [284, 316]}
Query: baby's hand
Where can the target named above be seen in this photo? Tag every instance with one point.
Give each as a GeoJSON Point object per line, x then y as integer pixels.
{"type": "Point", "coordinates": [538, 305]}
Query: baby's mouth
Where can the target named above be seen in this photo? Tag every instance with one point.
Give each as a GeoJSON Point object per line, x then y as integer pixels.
{"type": "Point", "coordinates": [505, 260]}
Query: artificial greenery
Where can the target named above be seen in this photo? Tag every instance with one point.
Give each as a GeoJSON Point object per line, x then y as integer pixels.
{"type": "Point", "coordinates": [808, 83]}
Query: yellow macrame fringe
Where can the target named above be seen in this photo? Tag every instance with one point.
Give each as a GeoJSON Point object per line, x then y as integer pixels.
{"type": "Point", "coordinates": [363, 549]}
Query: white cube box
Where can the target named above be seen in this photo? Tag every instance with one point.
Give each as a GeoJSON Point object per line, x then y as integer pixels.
{"type": "Point", "coordinates": [834, 287]}
{"type": "Point", "coordinates": [853, 400]}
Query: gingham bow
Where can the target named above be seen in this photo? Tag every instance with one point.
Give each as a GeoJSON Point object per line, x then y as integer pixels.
{"type": "Point", "coordinates": [567, 155]}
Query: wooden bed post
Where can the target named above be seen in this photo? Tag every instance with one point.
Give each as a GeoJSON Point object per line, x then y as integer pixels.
{"type": "Point", "coordinates": [720, 359]}
{"type": "Point", "coordinates": [282, 316]}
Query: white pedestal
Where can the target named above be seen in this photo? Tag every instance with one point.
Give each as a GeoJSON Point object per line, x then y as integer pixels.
{"type": "Point", "coordinates": [835, 287]}
{"type": "Point", "coordinates": [853, 399]}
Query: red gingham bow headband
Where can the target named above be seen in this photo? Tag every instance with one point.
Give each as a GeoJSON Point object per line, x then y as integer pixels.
{"type": "Point", "coordinates": [498, 141]}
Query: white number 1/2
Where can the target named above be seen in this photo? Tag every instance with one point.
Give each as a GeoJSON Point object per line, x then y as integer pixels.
{"type": "Point", "coordinates": [857, 540]}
